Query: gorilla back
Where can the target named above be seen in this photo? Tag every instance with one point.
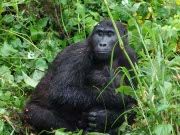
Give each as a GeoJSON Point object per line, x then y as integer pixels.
{"type": "Point", "coordinates": [69, 95]}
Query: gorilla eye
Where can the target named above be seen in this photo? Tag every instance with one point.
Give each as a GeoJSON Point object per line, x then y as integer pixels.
{"type": "Point", "coordinates": [100, 32]}
{"type": "Point", "coordinates": [110, 33]}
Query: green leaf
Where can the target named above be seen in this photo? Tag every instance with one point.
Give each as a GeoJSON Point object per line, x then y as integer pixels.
{"type": "Point", "coordinates": [163, 12]}
{"type": "Point", "coordinates": [162, 107]}
{"type": "Point", "coordinates": [16, 43]}
{"type": "Point", "coordinates": [175, 61]}
{"type": "Point", "coordinates": [95, 15]}
{"type": "Point", "coordinates": [41, 64]}
{"type": "Point", "coordinates": [64, 2]}
{"type": "Point", "coordinates": [167, 86]}
{"type": "Point", "coordinates": [5, 75]}
{"type": "Point", "coordinates": [1, 126]}
{"type": "Point", "coordinates": [6, 96]}
{"type": "Point", "coordinates": [164, 129]}
{"type": "Point", "coordinates": [60, 132]}
{"type": "Point", "coordinates": [36, 34]}
{"type": "Point", "coordinates": [8, 18]}
{"type": "Point", "coordinates": [135, 7]}
{"type": "Point", "coordinates": [80, 9]}
{"type": "Point", "coordinates": [1, 8]}
{"type": "Point", "coordinates": [42, 22]}
{"type": "Point", "coordinates": [29, 81]}
{"type": "Point", "coordinates": [127, 90]}
{"type": "Point", "coordinates": [7, 50]}
{"type": "Point", "coordinates": [37, 75]}
{"type": "Point", "coordinates": [143, 9]}
{"type": "Point", "coordinates": [17, 102]}
{"type": "Point", "coordinates": [78, 37]}
{"type": "Point", "coordinates": [90, 23]}
{"type": "Point", "coordinates": [3, 103]}
{"type": "Point", "coordinates": [2, 111]}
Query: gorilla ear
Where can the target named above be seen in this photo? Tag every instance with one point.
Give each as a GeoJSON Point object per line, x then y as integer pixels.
{"type": "Point", "coordinates": [123, 28]}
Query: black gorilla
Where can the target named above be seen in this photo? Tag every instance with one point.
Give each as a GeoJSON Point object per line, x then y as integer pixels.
{"type": "Point", "coordinates": [70, 94]}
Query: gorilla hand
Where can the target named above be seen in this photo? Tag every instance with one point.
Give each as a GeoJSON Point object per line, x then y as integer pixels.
{"type": "Point", "coordinates": [101, 119]}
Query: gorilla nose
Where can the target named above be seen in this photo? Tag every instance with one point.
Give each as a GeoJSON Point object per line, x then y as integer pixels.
{"type": "Point", "coordinates": [102, 45]}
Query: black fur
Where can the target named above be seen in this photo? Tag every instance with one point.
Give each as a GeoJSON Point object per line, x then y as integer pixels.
{"type": "Point", "coordinates": [68, 96]}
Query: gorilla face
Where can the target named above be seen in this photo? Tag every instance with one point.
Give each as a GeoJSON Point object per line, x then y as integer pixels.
{"type": "Point", "coordinates": [103, 40]}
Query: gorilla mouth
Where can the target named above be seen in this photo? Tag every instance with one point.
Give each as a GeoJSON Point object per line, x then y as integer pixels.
{"type": "Point", "coordinates": [102, 52]}
{"type": "Point", "coordinates": [102, 55]}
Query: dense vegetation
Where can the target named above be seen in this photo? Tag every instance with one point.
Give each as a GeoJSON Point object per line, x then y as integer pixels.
{"type": "Point", "coordinates": [32, 32]}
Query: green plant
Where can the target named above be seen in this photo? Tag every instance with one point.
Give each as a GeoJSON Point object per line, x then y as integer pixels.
{"type": "Point", "coordinates": [33, 32]}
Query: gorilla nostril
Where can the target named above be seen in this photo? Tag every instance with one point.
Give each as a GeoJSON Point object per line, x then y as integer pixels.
{"type": "Point", "coordinates": [102, 45]}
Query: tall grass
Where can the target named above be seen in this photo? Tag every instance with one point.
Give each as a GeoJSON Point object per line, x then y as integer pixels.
{"type": "Point", "coordinates": [157, 92]}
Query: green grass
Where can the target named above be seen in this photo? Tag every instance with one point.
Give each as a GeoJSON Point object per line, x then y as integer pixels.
{"type": "Point", "coordinates": [33, 32]}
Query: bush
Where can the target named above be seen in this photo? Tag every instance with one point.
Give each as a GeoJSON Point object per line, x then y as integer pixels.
{"type": "Point", "coordinates": [32, 32]}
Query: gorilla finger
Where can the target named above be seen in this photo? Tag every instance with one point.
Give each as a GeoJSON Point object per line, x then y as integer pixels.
{"type": "Point", "coordinates": [91, 118]}
{"type": "Point", "coordinates": [92, 125]}
{"type": "Point", "coordinates": [93, 114]}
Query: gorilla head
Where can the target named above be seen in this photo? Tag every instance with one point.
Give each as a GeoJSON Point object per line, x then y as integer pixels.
{"type": "Point", "coordinates": [104, 38]}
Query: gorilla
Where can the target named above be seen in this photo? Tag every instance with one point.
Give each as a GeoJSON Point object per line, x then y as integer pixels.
{"type": "Point", "coordinates": [78, 90]}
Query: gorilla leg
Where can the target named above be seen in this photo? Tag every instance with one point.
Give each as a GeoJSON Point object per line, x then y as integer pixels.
{"type": "Point", "coordinates": [42, 118]}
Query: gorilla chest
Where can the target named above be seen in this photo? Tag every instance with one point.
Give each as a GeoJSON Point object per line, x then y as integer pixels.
{"type": "Point", "coordinates": [101, 77]}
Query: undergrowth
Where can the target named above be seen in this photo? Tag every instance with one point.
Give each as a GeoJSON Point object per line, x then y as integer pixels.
{"type": "Point", "coordinates": [33, 32]}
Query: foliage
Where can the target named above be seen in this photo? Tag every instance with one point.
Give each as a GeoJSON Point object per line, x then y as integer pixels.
{"type": "Point", "coordinates": [33, 32]}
